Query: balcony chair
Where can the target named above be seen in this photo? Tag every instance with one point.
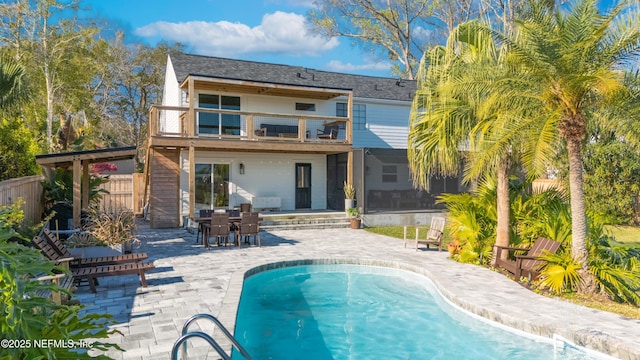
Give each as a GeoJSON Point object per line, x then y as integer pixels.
{"type": "Point", "coordinates": [329, 132]}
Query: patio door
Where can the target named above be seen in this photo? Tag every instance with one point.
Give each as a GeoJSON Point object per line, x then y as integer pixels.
{"type": "Point", "coordinates": [303, 186]}
{"type": "Point", "coordinates": [212, 186]}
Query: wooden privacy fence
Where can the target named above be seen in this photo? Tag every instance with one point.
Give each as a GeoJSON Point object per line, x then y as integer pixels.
{"type": "Point", "coordinates": [29, 189]}
{"type": "Point", "coordinates": [125, 193]}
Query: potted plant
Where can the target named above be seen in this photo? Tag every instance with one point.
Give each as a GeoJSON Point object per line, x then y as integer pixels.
{"type": "Point", "coordinates": [354, 218]}
{"type": "Point", "coordinates": [114, 229]}
{"type": "Point", "coordinates": [349, 196]}
{"type": "Point", "coordinates": [453, 247]}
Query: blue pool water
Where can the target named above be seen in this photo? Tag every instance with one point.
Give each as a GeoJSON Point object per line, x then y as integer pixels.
{"type": "Point", "coordinates": [362, 312]}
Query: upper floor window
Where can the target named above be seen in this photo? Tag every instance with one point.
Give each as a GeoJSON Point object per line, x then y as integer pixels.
{"type": "Point", "coordinates": [359, 116]}
{"type": "Point", "coordinates": [341, 110]}
{"type": "Point", "coordinates": [215, 123]}
{"type": "Point", "coordinates": [305, 107]}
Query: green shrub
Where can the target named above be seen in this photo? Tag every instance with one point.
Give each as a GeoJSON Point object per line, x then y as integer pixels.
{"type": "Point", "coordinates": [24, 316]}
{"type": "Point", "coordinates": [612, 182]}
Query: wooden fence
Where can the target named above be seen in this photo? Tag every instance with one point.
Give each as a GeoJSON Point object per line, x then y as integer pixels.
{"type": "Point", "coordinates": [29, 189]}
{"type": "Point", "coordinates": [125, 193]}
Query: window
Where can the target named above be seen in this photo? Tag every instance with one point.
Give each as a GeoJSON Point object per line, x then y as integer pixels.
{"type": "Point", "coordinates": [305, 107]}
{"type": "Point", "coordinates": [359, 116]}
{"type": "Point", "coordinates": [214, 123]}
{"type": "Point", "coordinates": [389, 173]}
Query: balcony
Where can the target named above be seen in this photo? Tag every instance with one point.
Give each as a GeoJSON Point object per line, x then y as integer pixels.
{"type": "Point", "coordinates": [247, 131]}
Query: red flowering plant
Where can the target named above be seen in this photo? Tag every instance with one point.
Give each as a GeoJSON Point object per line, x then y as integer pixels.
{"type": "Point", "coordinates": [99, 168]}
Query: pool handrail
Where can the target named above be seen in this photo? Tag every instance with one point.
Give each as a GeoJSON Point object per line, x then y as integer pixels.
{"type": "Point", "coordinates": [224, 330]}
{"type": "Point", "coordinates": [207, 338]}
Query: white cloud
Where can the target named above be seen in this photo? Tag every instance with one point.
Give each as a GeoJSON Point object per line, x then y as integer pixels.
{"type": "Point", "coordinates": [279, 33]}
{"type": "Point", "coordinates": [339, 66]}
{"type": "Point", "coordinates": [421, 34]}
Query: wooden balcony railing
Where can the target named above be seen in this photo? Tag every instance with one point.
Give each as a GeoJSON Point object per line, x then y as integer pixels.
{"type": "Point", "coordinates": [240, 125]}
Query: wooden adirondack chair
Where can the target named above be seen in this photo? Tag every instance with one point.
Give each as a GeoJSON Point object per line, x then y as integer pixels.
{"type": "Point", "coordinates": [434, 234]}
{"type": "Point", "coordinates": [525, 264]}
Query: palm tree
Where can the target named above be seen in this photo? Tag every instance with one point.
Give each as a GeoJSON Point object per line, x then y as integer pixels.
{"type": "Point", "coordinates": [573, 70]}
{"type": "Point", "coordinates": [12, 82]}
{"type": "Point", "coordinates": [445, 117]}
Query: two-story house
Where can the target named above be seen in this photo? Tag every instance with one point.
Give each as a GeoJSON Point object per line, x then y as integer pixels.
{"type": "Point", "coordinates": [282, 137]}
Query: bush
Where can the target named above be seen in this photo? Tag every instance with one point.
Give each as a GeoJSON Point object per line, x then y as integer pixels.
{"type": "Point", "coordinates": [612, 182]}
{"type": "Point", "coordinates": [24, 316]}
{"type": "Point", "coordinates": [18, 150]}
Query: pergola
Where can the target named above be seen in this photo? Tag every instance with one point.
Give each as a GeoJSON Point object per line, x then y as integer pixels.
{"type": "Point", "coordinates": [80, 161]}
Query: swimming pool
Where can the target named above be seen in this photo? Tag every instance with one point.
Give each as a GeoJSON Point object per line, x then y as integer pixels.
{"type": "Point", "coordinates": [365, 312]}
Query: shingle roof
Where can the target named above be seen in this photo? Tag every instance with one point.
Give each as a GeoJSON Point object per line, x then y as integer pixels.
{"type": "Point", "coordinates": [362, 86]}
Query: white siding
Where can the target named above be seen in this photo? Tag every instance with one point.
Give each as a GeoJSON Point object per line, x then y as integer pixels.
{"type": "Point", "coordinates": [387, 126]}
{"type": "Point", "coordinates": [266, 174]}
{"type": "Point", "coordinates": [170, 121]}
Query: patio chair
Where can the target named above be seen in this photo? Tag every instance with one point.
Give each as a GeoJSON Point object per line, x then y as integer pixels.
{"type": "Point", "coordinates": [77, 261]}
{"type": "Point", "coordinates": [92, 273]}
{"type": "Point", "coordinates": [218, 229]}
{"type": "Point", "coordinates": [202, 226]}
{"type": "Point", "coordinates": [525, 265]}
{"type": "Point", "coordinates": [329, 132]}
{"type": "Point", "coordinates": [249, 226]}
{"type": "Point", "coordinates": [434, 234]}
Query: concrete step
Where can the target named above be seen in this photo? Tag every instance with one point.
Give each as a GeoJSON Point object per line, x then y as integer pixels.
{"type": "Point", "coordinates": [304, 221]}
{"type": "Point", "coordinates": [305, 226]}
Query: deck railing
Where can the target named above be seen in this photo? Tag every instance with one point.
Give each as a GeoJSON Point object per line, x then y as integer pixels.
{"type": "Point", "coordinates": [229, 124]}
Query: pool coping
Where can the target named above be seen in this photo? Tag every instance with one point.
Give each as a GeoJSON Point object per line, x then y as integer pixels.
{"type": "Point", "coordinates": [591, 339]}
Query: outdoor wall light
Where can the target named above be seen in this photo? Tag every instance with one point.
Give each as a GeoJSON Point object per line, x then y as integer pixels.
{"type": "Point", "coordinates": [242, 168]}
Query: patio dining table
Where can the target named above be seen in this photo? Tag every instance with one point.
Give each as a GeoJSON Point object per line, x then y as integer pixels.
{"type": "Point", "coordinates": [233, 220]}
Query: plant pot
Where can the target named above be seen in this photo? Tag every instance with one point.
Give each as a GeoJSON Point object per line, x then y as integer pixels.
{"type": "Point", "coordinates": [452, 248]}
{"type": "Point", "coordinates": [123, 248]}
{"type": "Point", "coordinates": [355, 223]}
{"type": "Point", "coordinates": [349, 203]}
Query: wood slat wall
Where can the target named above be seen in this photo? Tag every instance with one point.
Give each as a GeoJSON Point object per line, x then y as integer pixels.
{"type": "Point", "coordinates": [27, 188]}
{"type": "Point", "coordinates": [164, 188]}
{"type": "Point", "coordinates": [120, 196]}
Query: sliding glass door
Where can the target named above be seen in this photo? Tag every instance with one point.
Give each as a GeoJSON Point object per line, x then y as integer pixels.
{"type": "Point", "coordinates": [212, 186]}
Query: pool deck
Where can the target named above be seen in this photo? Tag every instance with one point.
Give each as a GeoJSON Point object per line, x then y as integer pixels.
{"type": "Point", "coordinates": [190, 279]}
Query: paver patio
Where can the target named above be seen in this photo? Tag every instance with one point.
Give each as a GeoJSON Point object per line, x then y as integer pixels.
{"type": "Point", "coordinates": [190, 279]}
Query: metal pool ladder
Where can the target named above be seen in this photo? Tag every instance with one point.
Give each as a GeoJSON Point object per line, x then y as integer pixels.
{"type": "Point", "coordinates": [187, 335]}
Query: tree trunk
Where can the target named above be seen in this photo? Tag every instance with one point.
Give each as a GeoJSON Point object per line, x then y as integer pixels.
{"type": "Point", "coordinates": [49, 87]}
{"type": "Point", "coordinates": [503, 206]}
{"type": "Point", "coordinates": [579, 218]}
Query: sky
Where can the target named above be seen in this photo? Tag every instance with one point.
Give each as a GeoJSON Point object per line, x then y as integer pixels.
{"type": "Point", "coordinates": [273, 31]}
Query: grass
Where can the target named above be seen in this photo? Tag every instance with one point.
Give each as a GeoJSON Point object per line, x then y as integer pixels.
{"type": "Point", "coordinates": [398, 232]}
{"type": "Point", "coordinates": [625, 310]}
{"type": "Point", "coordinates": [628, 235]}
